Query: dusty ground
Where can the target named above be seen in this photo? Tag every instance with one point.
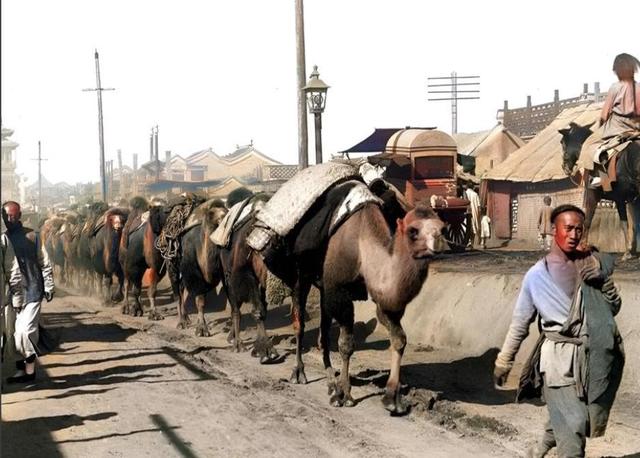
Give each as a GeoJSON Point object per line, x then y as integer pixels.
{"type": "Point", "coordinates": [123, 386]}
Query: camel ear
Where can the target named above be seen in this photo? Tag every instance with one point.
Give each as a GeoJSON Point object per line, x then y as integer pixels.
{"type": "Point", "coordinates": [400, 223]}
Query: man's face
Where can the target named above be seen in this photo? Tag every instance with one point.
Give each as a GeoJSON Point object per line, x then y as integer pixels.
{"type": "Point", "coordinates": [11, 215]}
{"type": "Point", "coordinates": [567, 231]}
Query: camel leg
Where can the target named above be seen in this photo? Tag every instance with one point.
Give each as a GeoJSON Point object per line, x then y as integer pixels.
{"type": "Point", "coordinates": [263, 346]}
{"type": "Point", "coordinates": [202, 330]}
{"type": "Point", "coordinates": [236, 317]}
{"type": "Point", "coordinates": [154, 315]}
{"type": "Point", "coordinates": [300, 293]}
{"type": "Point", "coordinates": [107, 281]}
{"type": "Point", "coordinates": [183, 318]}
{"type": "Point", "coordinates": [137, 310]}
{"type": "Point", "coordinates": [324, 343]}
{"type": "Point", "coordinates": [118, 295]}
{"type": "Point", "coordinates": [339, 305]}
{"type": "Point", "coordinates": [125, 303]}
{"type": "Point", "coordinates": [392, 400]}
{"type": "Point", "coordinates": [633, 210]}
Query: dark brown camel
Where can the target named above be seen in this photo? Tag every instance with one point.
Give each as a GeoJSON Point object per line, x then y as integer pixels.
{"type": "Point", "coordinates": [199, 268]}
{"type": "Point", "coordinates": [104, 246]}
{"type": "Point", "coordinates": [245, 280]}
{"type": "Point", "coordinates": [362, 256]}
{"type": "Point", "coordinates": [625, 190]}
{"type": "Point", "coordinates": [138, 255]}
{"type": "Point", "coordinates": [85, 260]}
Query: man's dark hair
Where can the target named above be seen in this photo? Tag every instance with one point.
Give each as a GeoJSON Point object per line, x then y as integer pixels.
{"type": "Point", "coordinates": [565, 208]}
{"type": "Point", "coordinates": [10, 202]}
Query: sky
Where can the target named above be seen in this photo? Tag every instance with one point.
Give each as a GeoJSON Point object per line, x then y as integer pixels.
{"type": "Point", "coordinates": [222, 73]}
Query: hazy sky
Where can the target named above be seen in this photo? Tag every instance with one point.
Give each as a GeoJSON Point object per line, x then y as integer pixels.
{"type": "Point", "coordinates": [221, 73]}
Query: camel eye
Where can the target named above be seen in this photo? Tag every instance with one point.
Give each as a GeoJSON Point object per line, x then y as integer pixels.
{"type": "Point", "coordinates": [413, 234]}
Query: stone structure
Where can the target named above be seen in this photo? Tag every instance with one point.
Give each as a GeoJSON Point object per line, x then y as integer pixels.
{"type": "Point", "coordinates": [10, 179]}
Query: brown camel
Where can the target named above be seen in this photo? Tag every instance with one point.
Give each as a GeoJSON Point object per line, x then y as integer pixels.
{"type": "Point", "coordinates": [245, 280]}
{"type": "Point", "coordinates": [362, 253]}
{"type": "Point", "coordinates": [199, 268]}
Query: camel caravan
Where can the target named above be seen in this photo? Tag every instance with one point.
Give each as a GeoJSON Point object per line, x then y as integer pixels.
{"type": "Point", "coordinates": [327, 227]}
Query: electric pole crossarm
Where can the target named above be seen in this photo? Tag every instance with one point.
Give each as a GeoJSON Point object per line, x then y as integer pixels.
{"type": "Point", "coordinates": [451, 84]}
{"type": "Point", "coordinates": [452, 91]}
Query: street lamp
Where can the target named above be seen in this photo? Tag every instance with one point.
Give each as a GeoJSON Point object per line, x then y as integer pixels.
{"type": "Point", "coordinates": [316, 91]}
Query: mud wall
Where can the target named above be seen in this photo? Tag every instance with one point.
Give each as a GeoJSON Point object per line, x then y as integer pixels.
{"type": "Point", "coordinates": [470, 314]}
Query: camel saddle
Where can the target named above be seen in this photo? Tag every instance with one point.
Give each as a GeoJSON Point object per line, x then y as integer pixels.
{"type": "Point", "coordinates": [237, 215]}
{"type": "Point", "coordinates": [287, 207]}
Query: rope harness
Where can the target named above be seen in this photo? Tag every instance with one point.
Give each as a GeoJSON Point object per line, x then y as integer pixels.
{"type": "Point", "coordinates": [168, 242]}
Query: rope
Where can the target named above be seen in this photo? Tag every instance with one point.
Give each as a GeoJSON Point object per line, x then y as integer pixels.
{"type": "Point", "coordinates": [168, 242]}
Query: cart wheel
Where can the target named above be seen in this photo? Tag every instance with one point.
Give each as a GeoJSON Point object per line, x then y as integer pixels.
{"type": "Point", "coordinates": [458, 234]}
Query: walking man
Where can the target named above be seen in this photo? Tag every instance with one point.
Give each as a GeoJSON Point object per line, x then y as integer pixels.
{"type": "Point", "coordinates": [544, 224]}
{"type": "Point", "coordinates": [30, 280]}
{"type": "Point", "coordinates": [578, 359]}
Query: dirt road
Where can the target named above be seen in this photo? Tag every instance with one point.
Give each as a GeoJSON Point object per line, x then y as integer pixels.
{"type": "Point", "coordinates": [123, 386]}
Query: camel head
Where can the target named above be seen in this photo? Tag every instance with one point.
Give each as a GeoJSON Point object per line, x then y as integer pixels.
{"type": "Point", "coordinates": [572, 139]}
{"type": "Point", "coordinates": [421, 230]}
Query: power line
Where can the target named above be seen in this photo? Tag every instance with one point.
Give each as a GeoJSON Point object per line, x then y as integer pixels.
{"type": "Point", "coordinates": [453, 93]}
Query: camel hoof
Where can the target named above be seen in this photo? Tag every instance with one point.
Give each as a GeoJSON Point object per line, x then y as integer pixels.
{"type": "Point", "coordinates": [394, 403]}
{"type": "Point", "coordinates": [137, 311]}
{"type": "Point", "coordinates": [263, 348]}
{"type": "Point", "coordinates": [349, 401]}
{"type": "Point", "coordinates": [627, 256]}
{"type": "Point", "coordinates": [298, 376]}
{"type": "Point", "coordinates": [337, 400]}
{"type": "Point", "coordinates": [202, 331]}
{"type": "Point", "coordinates": [155, 315]}
{"type": "Point", "coordinates": [125, 309]}
{"type": "Point", "coordinates": [117, 297]}
{"type": "Point", "coordinates": [238, 346]}
{"type": "Point", "coordinates": [182, 324]}
{"type": "Point", "coordinates": [230, 336]}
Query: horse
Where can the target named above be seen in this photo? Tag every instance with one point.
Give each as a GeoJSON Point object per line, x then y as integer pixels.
{"type": "Point", "coordinates": [625, 191]}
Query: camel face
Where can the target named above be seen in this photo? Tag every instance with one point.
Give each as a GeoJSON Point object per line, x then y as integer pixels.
{"type": "Point", "coordinates": [116, 222]}
{"type": "Point", "coordinates": [425, 237]}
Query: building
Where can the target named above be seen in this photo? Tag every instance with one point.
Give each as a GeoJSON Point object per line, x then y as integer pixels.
{"type": "Point", "coordinates": [527, 121]}
{"type": "Point", "coordinates": [10, 180]}
{"type": "Point", "coordinates": [488, 147]}
{"type": "Point", "coordinates": [514, 190]}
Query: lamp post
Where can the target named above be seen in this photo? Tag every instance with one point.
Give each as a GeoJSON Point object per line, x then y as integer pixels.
{"type": "Point", "coordinates": [316, 91]}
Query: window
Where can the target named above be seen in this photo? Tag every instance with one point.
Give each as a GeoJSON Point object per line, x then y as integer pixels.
{"type": "Point", "coordinates": [433, 167]}
{"type": "Point", "coordinates": [197, 175]}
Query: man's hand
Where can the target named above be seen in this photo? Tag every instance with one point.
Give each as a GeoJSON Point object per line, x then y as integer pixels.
{"type": "Point", "coordinates": [48, 295]}
{"type": "Point", "coordinates": [592, 275]}
{"type": "Point", "coordinates": [500, 375]}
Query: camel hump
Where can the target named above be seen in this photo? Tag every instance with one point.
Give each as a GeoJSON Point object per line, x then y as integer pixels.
{"type": "Point", "coordinates": [292, 201]}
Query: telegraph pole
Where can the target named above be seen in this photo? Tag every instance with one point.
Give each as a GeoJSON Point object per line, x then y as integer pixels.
{"type": "Point", "coordinates": [303, 137]}
{"type": "Point", "coordinates": [39, 159]}
{"type": "Point", "coordinates": [453, 92]}
{"type": "Point", "coordinates": [99, 90]}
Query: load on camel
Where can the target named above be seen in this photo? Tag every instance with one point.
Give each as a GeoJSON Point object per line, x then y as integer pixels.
{"type": "Point", "coordinates": [245, 277]}
{"type": "Point", "coordinates": [324, 227]}
{"type": "Point", "coordinates": [138, 253]}
{"type": "Point", "coordinates": [620, 184]}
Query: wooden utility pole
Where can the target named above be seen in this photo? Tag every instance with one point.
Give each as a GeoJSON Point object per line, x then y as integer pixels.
{"type": "Point", "coordinates": [303, 137]}
{"type": "Point", "coordinates": [99, 90]}
{"type": "Point", "coordinates": [39, 159]}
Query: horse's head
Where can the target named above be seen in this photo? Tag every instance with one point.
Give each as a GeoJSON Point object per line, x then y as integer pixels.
{"type": "Point", "coordinates": [572, 139]}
